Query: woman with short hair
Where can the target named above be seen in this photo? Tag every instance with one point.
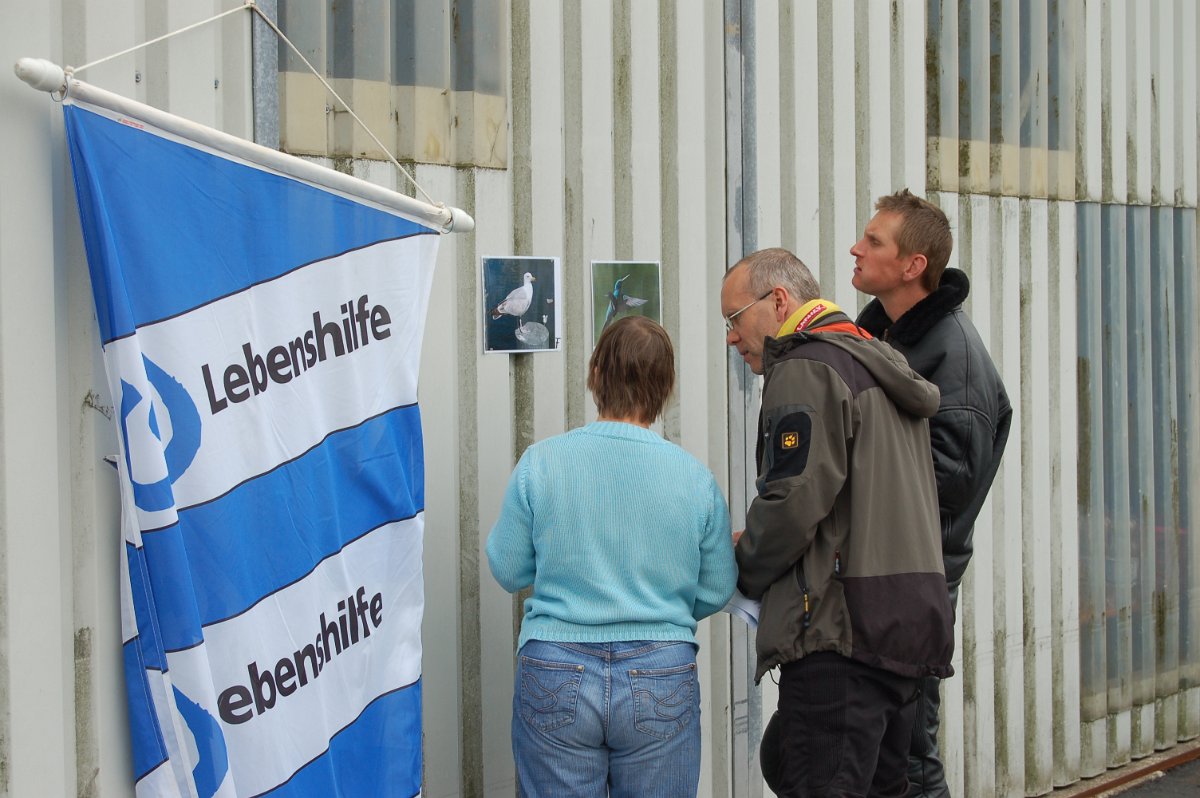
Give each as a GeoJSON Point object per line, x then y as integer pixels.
{"type": "Point", "coordinates": [625, 539]}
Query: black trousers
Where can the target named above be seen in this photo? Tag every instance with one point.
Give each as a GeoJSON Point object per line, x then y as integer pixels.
{"type": "Point", "coordinates": [843, 730]}
{"type": "Point", "coordinates": [926, 775]}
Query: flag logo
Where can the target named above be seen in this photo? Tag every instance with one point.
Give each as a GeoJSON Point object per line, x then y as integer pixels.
{"type": "Point", "coordinates": [213, 759]}
{"type": "Point", "coordinates": [162, 432]}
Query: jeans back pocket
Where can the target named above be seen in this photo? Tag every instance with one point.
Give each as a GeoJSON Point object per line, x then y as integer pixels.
{"type": "Point", "coordinates": [549, 692]}
{"type": "Point", "coordinates": [664, 699]}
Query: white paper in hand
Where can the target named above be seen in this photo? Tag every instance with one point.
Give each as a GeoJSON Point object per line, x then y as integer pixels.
{"type": "Point", "coordinates": [741, 607]}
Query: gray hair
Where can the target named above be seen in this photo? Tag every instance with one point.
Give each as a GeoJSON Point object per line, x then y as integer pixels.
{"type": "Point", "coordinates": [776, 266]}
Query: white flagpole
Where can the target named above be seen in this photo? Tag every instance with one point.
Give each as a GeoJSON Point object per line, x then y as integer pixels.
{"type": "Point", "coordinates": [47, 76]}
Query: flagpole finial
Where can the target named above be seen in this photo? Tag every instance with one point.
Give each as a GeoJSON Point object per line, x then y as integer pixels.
{"type": "Point", "coordinates": [41, 74]}
{"type": "Point", "coordinates": [460, 221]}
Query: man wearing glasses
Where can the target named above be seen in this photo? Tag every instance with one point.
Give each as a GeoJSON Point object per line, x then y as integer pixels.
{"type": "Point", "coordinates": [841, 543]}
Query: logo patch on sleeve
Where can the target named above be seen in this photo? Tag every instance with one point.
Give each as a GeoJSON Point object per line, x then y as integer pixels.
{"type": "Point", "coordinates": [791, 437]}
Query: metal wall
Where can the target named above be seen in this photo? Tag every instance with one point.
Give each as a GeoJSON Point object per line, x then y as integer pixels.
{"type": "Point", "coordinates": [1063, 141]}
{"type": "Point", "coordinates": [690, 132]}
{"type": "Point", "coordinates": [63, 729]}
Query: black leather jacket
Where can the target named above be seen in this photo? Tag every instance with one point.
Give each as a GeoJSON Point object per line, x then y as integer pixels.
{"type": "Point", "coordinates": [970, 430]}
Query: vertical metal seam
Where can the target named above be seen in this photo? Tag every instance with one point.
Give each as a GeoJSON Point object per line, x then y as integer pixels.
{"type": "Point", "coordinates": [1079, 100]}
{"type": "Point", "coordinates": [826, 197]}
{"type": "Point", "coordinates": [521, 373]}
{"type": "Point", "coordinates": [668, 170]}
{"type": "Point", "coordinates": [470, 638]}
{"type": "Point", "coordinates": [739, 193]}
{"type": "Point", "coordinates": [963, 131]}
{"type": "Point", "coordinates": [521, 364]}
{"type": "Point", "coordinates": [933, 108]}
{"type": "Point", "coordinates": [749, 138]}
{"type": "Point", "coordinates": [897, 64]}
{"type": "Point", "coordinates": [973, 695]}
{"type": "Point", "coordinates": [999, 488]}
{"type": "Point", "coordinates": [1025, 400]}
{"type": "Point", "coordinates": [622, 119]}
{"type": "Point", "coordinates": [1157, 108]}
{"type": "Point", "coordinates": [787, 125]}
{"type": "Point", "coordinates": [862, 117]}
{"type": "Point", "coordinates": [1054, 299]}
{"type": "Point", "coordinates": [264, 85]}
{"type": "Point", "coordinates": [575, 365]}
{"type": "Point", "coordinates": [1107, 192]}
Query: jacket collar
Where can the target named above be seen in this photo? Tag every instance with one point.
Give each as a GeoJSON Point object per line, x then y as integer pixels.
{"type": "Point", "coordinates": [835, 321]}
{"type": "Point", "coordinates": [810, 314]}
{"type": "Point", "coordinates": [920, 318]}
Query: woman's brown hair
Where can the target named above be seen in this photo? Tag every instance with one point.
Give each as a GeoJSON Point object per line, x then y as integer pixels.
{"type": "Point", "coordinates": [632, 371]}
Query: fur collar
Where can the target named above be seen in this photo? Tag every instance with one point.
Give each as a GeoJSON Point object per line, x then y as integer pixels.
{"type": "Point", "coordinates": [920, 318]}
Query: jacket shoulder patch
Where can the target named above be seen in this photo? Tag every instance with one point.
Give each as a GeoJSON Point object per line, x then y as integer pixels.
{"type": "Point", "coordinates": [790, 439]}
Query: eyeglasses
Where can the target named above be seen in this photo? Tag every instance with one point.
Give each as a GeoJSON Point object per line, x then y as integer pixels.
{"type": "Point", "coordinates": [729, 319]}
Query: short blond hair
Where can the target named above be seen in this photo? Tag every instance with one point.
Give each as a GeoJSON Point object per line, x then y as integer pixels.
{"type": "Point", "coordinates": [924, 229]}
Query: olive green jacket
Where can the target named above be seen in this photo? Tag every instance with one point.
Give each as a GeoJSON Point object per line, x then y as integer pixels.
{"type": "Point", "coordinates": [842, 542]}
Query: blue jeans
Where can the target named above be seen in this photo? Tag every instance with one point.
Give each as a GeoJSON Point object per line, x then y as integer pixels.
{"type": "Point", "coordinates": [596, 719]}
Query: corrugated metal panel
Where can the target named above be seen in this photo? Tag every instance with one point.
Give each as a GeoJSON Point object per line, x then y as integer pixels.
{"type": "Point", "coordinates": [1069, 102]}
{"type": "Point", "coordinates": [1009, 715]}
{"type": "Point", "coordinates": [1187, 402]}
{"type": "Point", "coordinates": [1002, 96]}
{"type": "Point", "coordinates": [607, 164]}
{"type": "Point", "coordinates": [1093, 439]}
{"type": "Point", "coordinates": [1135, 575]}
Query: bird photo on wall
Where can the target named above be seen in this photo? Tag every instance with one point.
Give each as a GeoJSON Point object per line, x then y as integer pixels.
{"type": "Point", "coordinates": [519, 297]}
{"type": "Point", "coordinates": [619, 301]}
{"type": "Point", "coordinates": [517, 302]}
{"type": "Point", "coordinates": [624, 288]}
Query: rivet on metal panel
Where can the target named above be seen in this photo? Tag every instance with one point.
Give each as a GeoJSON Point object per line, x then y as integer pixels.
{"type": "Point", "coordinates": [137, 76]}
{"type": "Point", "coordinates": [216, 83]}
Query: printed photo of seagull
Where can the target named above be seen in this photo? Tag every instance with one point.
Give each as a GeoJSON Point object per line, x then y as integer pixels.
{"type": "Point", "coordinates": [520, 301]}
{"type": "Point", "coordinates": [623, 288]}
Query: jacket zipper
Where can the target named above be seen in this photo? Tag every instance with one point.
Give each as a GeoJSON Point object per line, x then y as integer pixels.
{"type": "Point", "coordinates": [803, 593]}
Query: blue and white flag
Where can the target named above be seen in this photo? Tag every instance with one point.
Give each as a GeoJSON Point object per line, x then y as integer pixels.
{"type": "Point", "coordinates": [261, 336]}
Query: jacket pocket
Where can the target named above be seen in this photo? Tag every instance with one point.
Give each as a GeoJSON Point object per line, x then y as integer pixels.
{"type": "Point", "coordinates": [780, 622]}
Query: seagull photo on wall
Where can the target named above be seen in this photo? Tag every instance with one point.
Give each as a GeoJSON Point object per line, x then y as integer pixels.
{"type": "Point", "coordinates": [624, 288]}
{"type": "Point", "coordinates": [519, 294]}
{"type": "Point", "coordinates": [619, 301]}
{"type": "Point", "coordinates": [518, 300]}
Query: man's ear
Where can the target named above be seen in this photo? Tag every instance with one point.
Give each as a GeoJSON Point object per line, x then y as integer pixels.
{"type": "Point", "coordinates": [915, 268]}
{"type": "Point", "coordinates": [780, 306]}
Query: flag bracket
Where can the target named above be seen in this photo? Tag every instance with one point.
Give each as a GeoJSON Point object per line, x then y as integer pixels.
{"type": "Point", "coordinates": [47, 76]}
{"type": "Point", "coordinates": [60, 83]}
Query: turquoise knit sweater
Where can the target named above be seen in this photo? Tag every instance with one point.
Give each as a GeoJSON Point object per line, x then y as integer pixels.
{"type": "Point", "coordinates": [623, 535]}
